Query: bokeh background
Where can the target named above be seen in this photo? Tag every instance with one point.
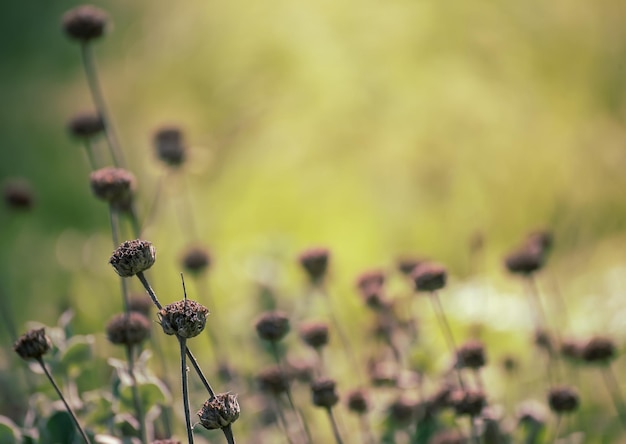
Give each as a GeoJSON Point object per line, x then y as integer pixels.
{"type": "Point", "coordinates": [374, 128]}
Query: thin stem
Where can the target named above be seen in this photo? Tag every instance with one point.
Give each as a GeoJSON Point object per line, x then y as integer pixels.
{"type": "Point", "coordinates": [67, 406]}
{"type": "Point", "coordinates": [136, 400]}
{"type": "Point", "coordinates": [473, 430]}
{"type": "Point", "coordinates": [228, 433]}
{"type": "Point", "coordinates": [114, 218]}
{"type": "Point", "coordinates": [616, 394]}
{"type": "Point", "coordinates": [366, 430]}
{"type": "Point", "coordinates": [98, 98]}
{"type": "Point", "coordinates": [557, 428]}
{"type": "Point", "coordinates": [183, 371]}
{"type": "Point", "coordinates": [194, 362]}
{"type": "Point", "coordinates": [447, 332]}
{"type": "Point", "coordinates": [281, 419]}
{"type": "Point", "coordinates": [93, 165]}
{"type": "Point", "coordinates": [149, 289]}
{"type": "Point", "coordinates": [331, 417]}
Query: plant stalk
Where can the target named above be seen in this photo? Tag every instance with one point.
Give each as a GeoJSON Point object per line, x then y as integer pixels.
{"type": "Point", "coordinates": [183, 369]}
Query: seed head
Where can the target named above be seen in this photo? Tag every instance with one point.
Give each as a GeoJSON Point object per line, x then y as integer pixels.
{"type": "Point", "coordinates": [132, 257]}
{"type": "Point", "coordinates": [544, 239]}
{"type": "Point", "coordinates": [314, 334]}
{"type": "Point", "coordinates": [84, 23]}
{"type": "Point", "coordinates": [113, 185]}
{"type": "Point", "coordinates": [471, 355]}
{"type": "Point", "coordinates": [220, 411]}
{"type": "Point", "coordinates": [196, 260]}
{"type": "Point", "coordinates": [18, 194]}
{"type": "Point", "coordinates": [403, 410]}
{"type": "Point", "coordinates": [370, 278]}
{"type": "Point", "coordinates": [169, 145]}
{"type": "Point", "coordinates": [33, 344]}
{"type": "Point", "coordinates": [315, 263]}
{"type": "Point", "coordinates": [442, 398]}
{"type": "Point", "coordinates": [185, 318]}
{"type": "Point", "coordinates": [429, 277]}
{"type": "Point", "coordinates": [85, 124]}
{"type": "Point", "coordinates": [272, 380]}
{"type": "Point", "coordinates": [358, 401]}
{"type": "Point", "coordinates": [272, 325]}
{"type": "Point", "coordinates": [468, 402]}
{"type": "Point", "coordinates": [572, 349]}
{"type": "Point", "coordinates": [128, 329]}
{"type": "Point", "coordinates": [525, 260]}
{"type": "Point", "coordinates": [140, 303]}
{"type": "Point", "coordinates": [544, 340]}
{"type": "Point", "coordinates": [323, 393]}
{"type": "Point", "coordinates": [301, 369]}
{"type": "Point", "coordinates": [599, 350]}
{"type": "Point", "coordinates": [407, 264]}
{"type": "Point", "coordinates": [563, 399]}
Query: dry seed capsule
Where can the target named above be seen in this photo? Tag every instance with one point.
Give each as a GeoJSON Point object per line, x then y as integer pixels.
{"type": "Point", "coordinates": [272, 380]}
{"type": "Point", "coordinates": [169, 145]}
{"type": "Point", "coordinates": [323, 393]}
{"type": "Point", "coordinates": [140, 303]}
{"type": "Point", "coordinates": [315, 263]}
{"type": "Point", "coordinates": [113, 185]}
{"type": "Point", "coordinates": [406, 265]}
{"type": "Point", "coordinates": [402, 411]}
{"type": "Point", "coordinates": [358, 401]}
{"type": "Point", "coordinates": [314, 334]}
{"type": "Point", "coordinates": [185, 319]}
{"type": "Point", "coordinates": [471, 355]}
{"type": "Point", "coordinates": [598, 350]}
{"type": "Point", "coordinates": [84, 23]}
{"type": "Point", "coordinates": [132, 257]}
{"type": "Point", "coordinates": [196, 259]}
{"type": "Point", "coordinates": [468, 402]}
{"type": "Point", "coordinates": [85, 124]}
{"type": "Point", "coordinates": [563, 399]}
{"type": "Point", "coordinates": [33, 344]}
{"type": "Point", "coordinates": [272, 325]}
{"type": "Point", "coordinates": [128, 329]}
{"type": "Point", "coordinates": [219, 412]}
{"type": "Point", "coordinates": [18, 194]}
{"type": "Point", "coordinates": [526, 260]}
{"type": "Point", "coordinates": [429, 277]}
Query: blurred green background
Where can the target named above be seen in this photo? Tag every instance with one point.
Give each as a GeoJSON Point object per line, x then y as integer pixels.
{"type": "Point", "coordinates": [374, 128]}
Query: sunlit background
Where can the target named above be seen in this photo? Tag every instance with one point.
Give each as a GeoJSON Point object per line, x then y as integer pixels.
{"type": "Point", "coordinates": [377, 129]}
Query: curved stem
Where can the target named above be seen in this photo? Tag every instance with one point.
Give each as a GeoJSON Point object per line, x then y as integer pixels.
{"type": "Point", "coordinates": [98, 99]}
{"type": "Point", "coordinates": [183, 372]}
{"type": "Point", "coordinates": [194, 362]}
{"type": "Point", "coordinates": [67, 406]}
{"type": "Point", "coordinates": [136, 400]}
{"type": "Point", "coordinates": [331, 417]}
{"type": "Point", "coordinates": [149, 289]}
{"type": "Point", "coordinates": [447, 332]}
{"type": "Point", "coordinates": [228, 433]}
{"type": "Point", "coordinates": [281, 419]}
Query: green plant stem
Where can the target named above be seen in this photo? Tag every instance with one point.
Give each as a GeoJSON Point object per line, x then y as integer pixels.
{"type": "Point", "coordinates": [281, 418]}
{"type": "Point", "coordinates": [67, 406]}
{"type": "Point", "coordinates": [135, 390]}
{"type": "Point", "coordinates": [98, 99]}
{"type": "Point", "coordinates": [228, 433]}
{"type": "Point", "coordinates": [447, 333]}
{"type": "Point", "coordinates": [183, 370]}
{"type": "Point", "coordinates": [149, 290]}
{"type": "Point", "coordinates": [93, 165]}
{"type": "Point", "coordinates": [557, 428]}
{"type": "Point", "coordinates": [333, 423]}
{"type": "Point", "coordinates": [616, 394]}
{"type": "Point", "coordinates": [303, 425]}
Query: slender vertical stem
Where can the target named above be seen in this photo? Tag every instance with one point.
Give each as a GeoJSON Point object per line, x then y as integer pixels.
{"type": "Point", "coordinates": [281, 419]}
{"type": "Point", "coordinates": [183, 370]}
{"type": "Point", "coordinates": [616, 394]}
{"type": "Point", "coordinates": [136, 399]}
{"type": "Point", "coordinates": [93, 165]}
{"type": "Point", "coordinates": [473, 430]}
{"type": "Point", "coordinates": [228, 433]}
{"type": "Point", "coordinates": [331, 417]}
{"type": "Point", "coordinates": [447, 332]}
{"type": "Point", "coordinates": [98, 98]}
{"type": "Point", "coordinates": [557, 428]}
{"type": "Point", "coordinates": [67, 406]}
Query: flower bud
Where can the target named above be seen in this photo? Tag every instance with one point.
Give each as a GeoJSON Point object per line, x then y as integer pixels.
{"type": "Point", "coordinates": [598, 350]}
{"type": "Point", "coordinates": [358, 401]}
{"type": "Point", "coordinates": [525, 260]}
{"type": "Point", "coordinates": [272, 380]}
{"type": "Point", "coordinates": [468, 402]}
{"type": "Point", "coordinates": [18, 195]}
{"type": "Point", "coordinates": [33, 344]}
{"type": "Point", "coordinates": [132, 257]}
{"type": "Point", "coordinates": [220, 411]}
{"type": "Point", "coordinates": [471, 355]}
{"type": "Point", "coordinates": [85, 124]}
{"type": "Point", "coordinates": [185, 319]}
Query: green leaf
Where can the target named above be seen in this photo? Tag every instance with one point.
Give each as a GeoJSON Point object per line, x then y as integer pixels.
{"type": "Point", "coordinates": [59, 429]}
{"type": "Point", "coordinates": [9, 432]}
{"type": "Point", "coordinates": [150, 394]}
{"type": "Point", "coordinates": [79, 350]}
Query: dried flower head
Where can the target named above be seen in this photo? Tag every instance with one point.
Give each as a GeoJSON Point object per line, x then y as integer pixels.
{"type": "Point", "coordinates": [429, 277]}
{"type": "Point", "coordinates": [471, 355]}
{"type": "Point", "coordinates": [468, 402]}
{"type": "Point", "coordinates": [33, 344]}
{"type": "Point", "coordinates": [358, 401]}
{"type": "Point", "coordinates": [85, 124]}
{"type": "Point", "coordinates": [384, 373]}
{"type": "Point", "coordinates": [132, 257]}
{"type": "Point", "coordinates": [140, 303]}
{"type": "Point", "coordinates": [543, 239]}
{"type": "Point", "coordinates": [599, 350]}
{"type": "Point", "coordinates": [314, 334]}
{"type": "Point", "coordinates": [571, 349]}
{"type": "Point", "coordinates": [301, 369]}
{"type": "Point", "coordinates": [272, 325]}
{"type": "Point", "coordinates": [169, 145]}
{"type": "Point", "coordinates": [18, 194]}
{"type": "Point", "coordinates": [323, 393]}
{"type": "Point", "coordinates": [196, 259]}
{"type": "Point", "coordinates": [544, 340]}
{"type": "Point", "coordinates": [403, 410]}
{"type": "Point", "coordinates": [407, 264]}
{"type": "Point", "coordinates": [128, 329]}
{"type": "Point", "coordinates": [510, 364]}
{"type": "Point", "coordinates": [563, 399]}
{"type": "Point", "coordinates": [273, 380]}
{"type": "Point", "coordinates": [84, 22]}
{"type": "Point", "coordinates": [185, 318]}
{"type": "Point", "coordinates": [525, 260]}
{"type": "Point", "coordinates": [113, 185]}
{"type": "Point", "coordinates": [220, 411]}
{"type": "Point", "coordinates": [370, 278]}
{"type": "Point", "coordinates": [315, 263]}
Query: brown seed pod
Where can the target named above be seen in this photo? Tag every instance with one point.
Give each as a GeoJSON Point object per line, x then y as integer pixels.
{"type": "Point", "coordinates": [185, 318]}
{"type": "Point", "coordinates": [18, 194]}
{"type": "Point", "coordinates": [429, 277]}
{"type": "Point", "coordinates": [471, 355]}
{"type": "Point", "coordinates": [140, 303]}
{"type": "Point", "coordinates": [358, 401]}
{"type": "Point", "coordinates": [563, 399]}
{"type": "Point", "coordinates": [128, 329]}
{"type": "Point", "coordinates": [84, 23]}
{"type": "Point", "coordinates": [323, 393]}
{"type": "Point", "coordinates": [219, 412]}
{"type": "Point", "coordinates": [599, 350]}
{"type": "Point", "coordinates": [370, 278]}
{"type": "Point", "coordinates": [407, 264]}
{"type": "Point", "coordinates": [468, 402]}
{"type": "Point", "coordinates": [314, 334]}
{"type": "Point", "coordinates": [196, 259]}
{"type": "Point", "coordinates": [525, 260]}
{"type": "Point", "coordinates": [132, 257]}
{"type": "Point", "coordinates": [403, 411]}
{"type": "Point", "coordinates": [85, 124]}
{"type": "Point", "coordinates": [571, 349]}
{"type": "Point", "coordinates": [272, 325]}
{"type": "Point", "coordinates": [272, 380]}
{"type": "Point", "coordinates": [315, 263]}
{"type": "Point", "coordinates": [169, 145]}
{"type": "Point", "coordinates": [113, 185]}
{"type": "Point", "coordinates": [33, 344]}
